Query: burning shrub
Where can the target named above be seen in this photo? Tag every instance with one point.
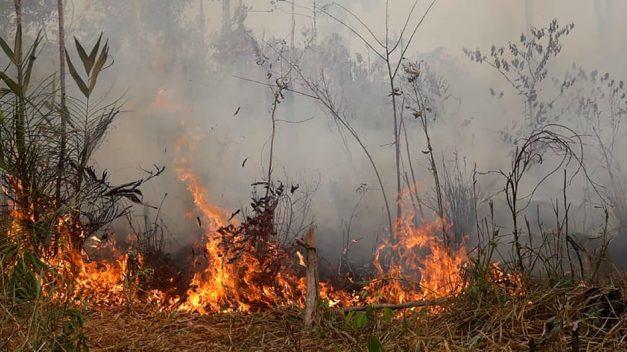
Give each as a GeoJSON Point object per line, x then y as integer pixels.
{"type": "Point", "coordinates": [420, 266]}
{"type": "Point", "coordinates": [247, 266]}
{"type": "Point", "coordinates": [52, 200]}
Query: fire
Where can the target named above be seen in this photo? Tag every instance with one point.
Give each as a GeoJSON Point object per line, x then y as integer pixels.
{"type": "Point", "coordinates": [238, 276]}
{"type": "Point", "coordinates": [103, 282]}
{"type": "Point", "coordinates": [418, 266]}
{"type": "Point", "coordinates": [73, 279]}
{"type": "Point", "coordinates": [422, 267]}
{"type": "Point", "coordinates": [425, 268]}
{"type": "Point", "coordinates": [239, 281]}
{"type": "Point", "coordinates": [238, 273]}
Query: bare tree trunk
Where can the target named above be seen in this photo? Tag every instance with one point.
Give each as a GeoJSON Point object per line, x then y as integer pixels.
{"type": "Point", "coordinates": [397, 149]}
{"type": "Point", "coordinates": [512, 202]}
{"type": "Point", "coordinates": [18, 12]}
{"type": "Point", "coordinates": [64, 114]}
{"type": "Point", "coordinates": [436, 178]}
{"type": "Point", "coordinates": [20, 120]}
{"type": "Point", "coordinates": [393, 93]}
{"type": "Point", "coordinates": [397, 157]}
{"type": "Point", "coordinates": [566, 229]}
{"type": "Point", "coordinates": [413, 189]}
{"type": "Point", "coordinates": [290, 98]}
{"type": "Point", "coordinates": [311, 261]}
{"type": "Point", "coordinates": [272, 138]}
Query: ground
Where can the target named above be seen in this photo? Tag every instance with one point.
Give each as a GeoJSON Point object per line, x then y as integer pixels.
{"type": "Point", "coordinates": [556, 319]}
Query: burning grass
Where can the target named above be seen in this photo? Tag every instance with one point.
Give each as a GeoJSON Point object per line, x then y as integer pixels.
{"type": "Point", "coordinates": [249, 280]}
{"type": "Point", "coordinates": [248, 289]}
{"type": "Point", "coordinates": [543, 319]}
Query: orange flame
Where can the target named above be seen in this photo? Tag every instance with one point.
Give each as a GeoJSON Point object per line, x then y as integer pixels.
{"type": "Point", "coordinates": [416, 266]}
{"type": "Point", "coordinates": [422, 266]}
{"type": "Point", "coordinates": [226, 285]}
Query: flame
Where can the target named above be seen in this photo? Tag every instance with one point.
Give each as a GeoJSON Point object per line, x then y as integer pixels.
{"type": "Point", "coordinates": [99, 282]}
{"type": "Point", "coordinates": [423, 267]}
{"type": "Point", "coordinates": [236, 275]}
{"type": "Point", "coordinates": [301, 259]}
{"type": "Point", "coordinates": [420, 265]}
{"type": "Point", "coordinates": [228, 284]}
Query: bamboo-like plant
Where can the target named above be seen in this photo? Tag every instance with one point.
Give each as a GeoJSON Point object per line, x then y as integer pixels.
{"type": "Point", "coordinates": [46, 210]}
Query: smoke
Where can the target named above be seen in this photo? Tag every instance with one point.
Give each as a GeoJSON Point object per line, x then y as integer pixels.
{"type": "Point", "coordinates": [177, 84]}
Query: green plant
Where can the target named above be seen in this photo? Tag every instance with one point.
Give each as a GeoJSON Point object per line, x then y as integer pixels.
{"type": "Point", "coordinates": [45, 215]}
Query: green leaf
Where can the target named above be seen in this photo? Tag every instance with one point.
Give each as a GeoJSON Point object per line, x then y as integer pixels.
{"type": "Point", "coordinates": [27, 73]}
{"type": "Point", "coordinates": [360, 320]}
{"type": "Point", "coordinates": [374, 345]}
{"type": "Point", "coordinates": [98, 68]}
{"type": "Point", "coordinates": [9, 252]}
{"type": "Point", "coordinates": [7, 50]}
{"type": "Point", "coordinates": [349, 318]}
{"type": "Point", "coordinates": [82, 54]}
{"type": "Point", "coordinates": [31, 61]}
{"type": "Point", "coordinates": [77, 78]}
{"type": "Point", "coordinates": [388, 315]}
{"type": "Point", "coordinates": [93, 53]}
{"type": "Point", "coordinates": [36, 262]}
{"type": "Point", "coordinates": [10, 83]}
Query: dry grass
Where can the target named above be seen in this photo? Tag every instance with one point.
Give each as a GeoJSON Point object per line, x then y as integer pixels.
{"type": "Point", "coordinates": [541, 320]}
{"type": "Point", "coordinates": [147, 331]}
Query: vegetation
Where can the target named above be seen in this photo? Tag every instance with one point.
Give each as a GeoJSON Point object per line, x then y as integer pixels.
{"type": "Point", "coordinates": [456, 267]}
{"type": "Point", "coordinates": [48, 212]}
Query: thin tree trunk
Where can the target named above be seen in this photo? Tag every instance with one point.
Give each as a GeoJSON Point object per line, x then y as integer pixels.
{"type": "Point", "coordinates": [512, 184]}
{"type": "Point", "coordinates": [272, 137]}
{"type": "Point", "coordinates": [397, 151]}
{"type": "Point", "coordinates": [18, 11]}
{"type": "Point", "coordinates": [436, 178]}
{"type": "Point", "coordinates": [63, 105]}
{"type": "Point", "coordinates": [414, 191]}
{"type": "Point", "coordinates": [20, 120]}
{"type": "Point", "coordinates": [311, 261]}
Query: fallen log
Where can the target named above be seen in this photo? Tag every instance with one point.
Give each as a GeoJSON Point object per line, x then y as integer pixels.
{"type": "Point", "coordinates": [405, 305]}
